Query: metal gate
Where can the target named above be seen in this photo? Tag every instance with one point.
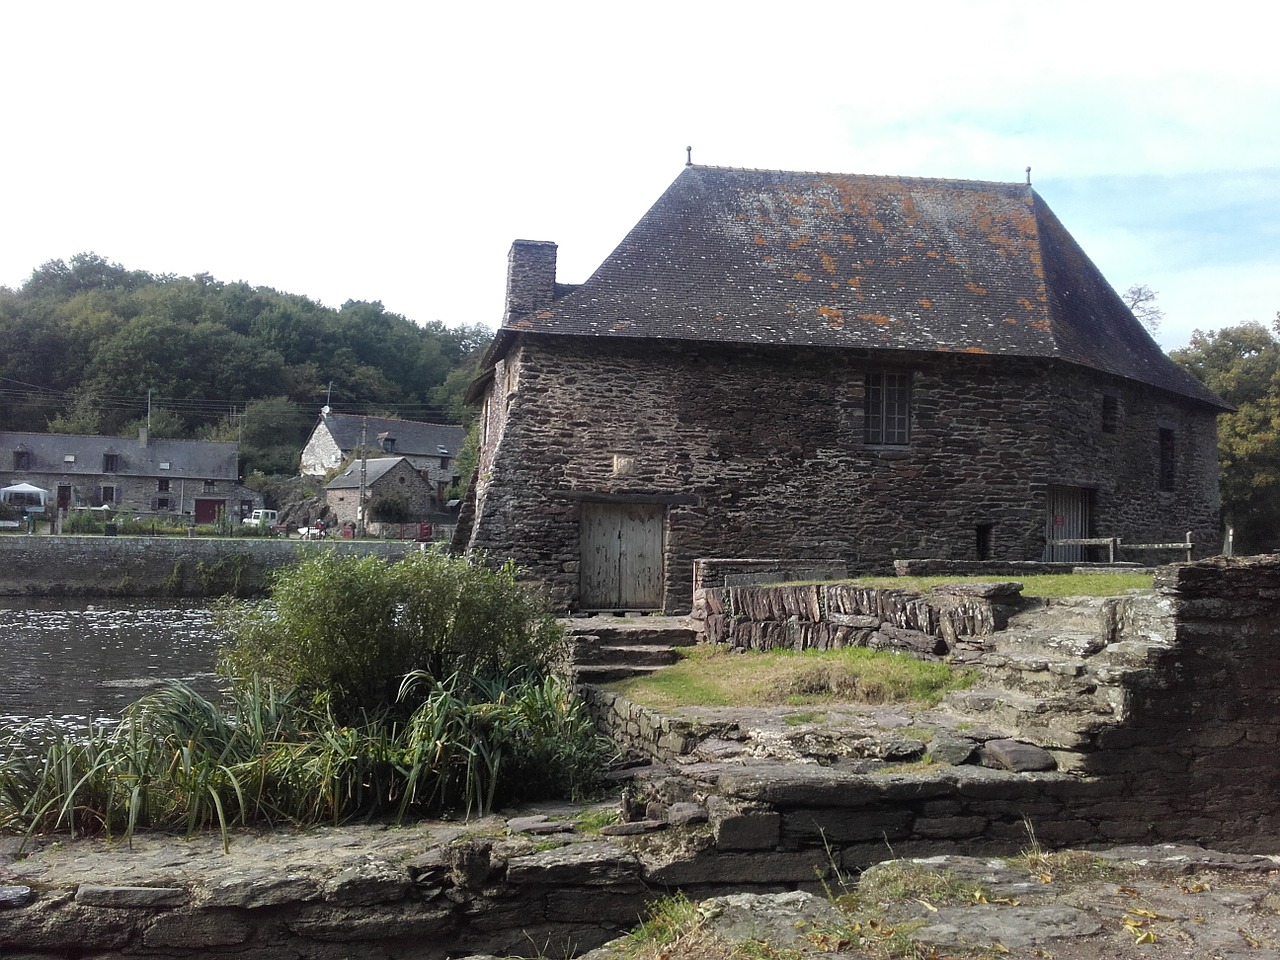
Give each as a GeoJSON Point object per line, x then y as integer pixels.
{"type": "Point", "coordinates": [621, 560]}
{"type": "Point", "coordinates": [1067, 517]}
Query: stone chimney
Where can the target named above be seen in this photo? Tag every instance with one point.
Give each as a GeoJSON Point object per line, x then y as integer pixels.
{"type": "Point", "coordinates": [531, 278]}
{"type": "Point", "coordinates": [142, 437]}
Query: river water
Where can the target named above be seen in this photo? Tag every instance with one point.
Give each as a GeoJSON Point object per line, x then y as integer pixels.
{"type": "Point", "coordinates": [72, 662]}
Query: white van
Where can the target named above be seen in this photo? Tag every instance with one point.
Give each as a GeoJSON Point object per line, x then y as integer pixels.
{"type": "Point", "coordinates": [260, 517]}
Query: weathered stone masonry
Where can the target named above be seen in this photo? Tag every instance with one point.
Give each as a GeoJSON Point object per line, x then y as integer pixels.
{"type": "Point", "coordinates": [727, 437]}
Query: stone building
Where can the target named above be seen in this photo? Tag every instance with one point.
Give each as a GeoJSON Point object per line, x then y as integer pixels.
{"type": "Point", "coordinates": [199, 479]}
{"type": "Point", "coordinates": [384, 477]}
{"type": "Point", "coordinates": [827, 367]}
{"type": "Point", "coordinates": [432, 448]}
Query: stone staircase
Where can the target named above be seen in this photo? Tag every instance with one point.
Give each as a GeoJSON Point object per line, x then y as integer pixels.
{"type": "Point", "coordinates": [605, 649]}
{"type": "Point", "coordinates": [1056, 675]}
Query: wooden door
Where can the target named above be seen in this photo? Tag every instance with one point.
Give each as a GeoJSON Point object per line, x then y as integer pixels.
{"type": "Point", "coordinates": [1067, 517]}
{"type": "Point", "coordinates": [207, 511]}
{"type": "Point", "coordinates": [621, 556]}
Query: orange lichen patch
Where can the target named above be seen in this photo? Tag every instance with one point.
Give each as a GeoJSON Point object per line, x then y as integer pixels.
{"type": "Point", "coordinates": [797, 243]}
{"type": "Point", "coordinates": [758, 240]}
{"type": "Point", "coordinates": [878, 318]}
{"type": "Point", "coordinates": [906, 258]}
{"type": "Point", "coordinates": [768, 258]}
{"type": "Point", "coordinates": [848, 239]}
{"type": "Point", "coordinates": [975, 350]}
{"type": "Point", "coordinates": [826, 237]}
{"type": "Point", "coordinates": [544, 314]}
{"type": "Point", "coordinates": [933, 254]}
{"type": "Point", "coordinates": [796, 221]}
{"type": "Point", "coordinates": [800, 275]}
{"type": "Point", "coordinates": [1041, 325]}
{"type": "Point", "coordinates": [1010, 320]}
{"type": "Point", "coordinates": [925, 302]}
{"type": "Point", "coordinates": [831, 313]}
{"type": "Point", "coordinates": [828, 262]}
{"type": "Point", "coordinates": [855, 282]}
{"type": "Point", "coordinates": [974, 288]}
{"type": "Point", "coordinates": [1026, 304]}
{"type": "Point", "coordinates": [875, 225]}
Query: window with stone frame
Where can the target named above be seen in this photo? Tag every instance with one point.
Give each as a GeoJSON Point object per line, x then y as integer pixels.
{"type": "Point", "coordinates": [1168, 460]}
{"type": "Point", "coordinates": [22, 460]}
{"type": "Point", "coordinates": [887, 408]}
{"type": "Point", "coordinates": [162, 485]}
{"type": "Point", "coordinates": [210, 486]}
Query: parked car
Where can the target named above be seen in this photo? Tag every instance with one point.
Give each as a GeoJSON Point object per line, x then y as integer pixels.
{"type": "Point", "coordinates": [260, 517]}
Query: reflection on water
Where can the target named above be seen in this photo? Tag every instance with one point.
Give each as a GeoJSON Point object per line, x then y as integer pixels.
{"type": "Point", "coordinates": [76, 661]}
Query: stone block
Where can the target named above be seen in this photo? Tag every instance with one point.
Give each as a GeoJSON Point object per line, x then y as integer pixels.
{"type": "Point", "coordinates": [743, 826]}
{"type": "Point", "coordinates": [1016, 756]}
{"type": "Point", "coordinates": [96, 895]}
{"type": "Point", "coordinates": [577, 864]}
{"type": "Point", "coordinates": [821, 826]}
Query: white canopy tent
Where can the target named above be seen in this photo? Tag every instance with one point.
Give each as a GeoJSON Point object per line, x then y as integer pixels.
{"type": "Point", "coordinates": [24, 495]}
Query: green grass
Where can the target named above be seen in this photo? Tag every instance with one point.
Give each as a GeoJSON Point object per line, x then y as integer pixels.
{"type": "Point", "coordinates": [712, 677]}
{"type": "Point", "coordinates": [1039, 585]}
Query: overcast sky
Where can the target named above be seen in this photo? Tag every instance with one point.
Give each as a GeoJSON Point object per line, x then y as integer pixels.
{"type": "Point", "coordinates": [392, 151]}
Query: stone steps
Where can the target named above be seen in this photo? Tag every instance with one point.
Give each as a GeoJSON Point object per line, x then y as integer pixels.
{"type": "Point", "coordinates": [606, 649]}
{"type": "Point", "coordinates": [1053, 722]}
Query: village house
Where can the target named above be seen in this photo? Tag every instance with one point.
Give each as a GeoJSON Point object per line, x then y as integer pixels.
{"type": "Point", "coordinates": [826, 367]}
{"type": "Point", "coordinates": [432, 448]}
{"type": "Point", "coordinates": [199, 479]}
{"type": "Point", "coordinates": [385, 479]}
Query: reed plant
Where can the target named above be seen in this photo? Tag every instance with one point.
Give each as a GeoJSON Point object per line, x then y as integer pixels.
{"type": "Point", "coordinates": [177, 761]}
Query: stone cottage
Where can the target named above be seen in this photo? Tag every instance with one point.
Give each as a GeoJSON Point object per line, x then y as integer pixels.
{"type": "Point", "coordinates": [198, 479]}
{"type": "Point", "coordinates": [827, 367]}
{"type": "Point", "coordinates": [385, 477]}
{"type": "Point", "coordinates": [432, 448]}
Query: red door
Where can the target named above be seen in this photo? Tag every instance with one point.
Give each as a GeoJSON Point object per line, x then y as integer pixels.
{"type": "Point", "coordinates": [207, 510]}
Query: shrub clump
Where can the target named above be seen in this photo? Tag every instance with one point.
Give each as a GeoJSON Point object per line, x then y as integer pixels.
{"type": "Point", "coordinates": [352, 628]}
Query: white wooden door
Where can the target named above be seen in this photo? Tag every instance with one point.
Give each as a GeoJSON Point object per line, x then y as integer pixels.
{"type": "Point", "coordinates": [621, 561]}
{"type": "Point", "coordinates": [1066, 518]}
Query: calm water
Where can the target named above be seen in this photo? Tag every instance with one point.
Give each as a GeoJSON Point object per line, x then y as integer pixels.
{"type": "Point", "coordinates": [76, 661]}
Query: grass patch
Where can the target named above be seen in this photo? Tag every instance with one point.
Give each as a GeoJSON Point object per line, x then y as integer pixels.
{"type": "Point", "coordinates": [712, 677]}
{"type": "Point", "coordinates": [1039, 585]}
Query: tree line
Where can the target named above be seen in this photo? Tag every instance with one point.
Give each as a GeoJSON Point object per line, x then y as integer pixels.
{"type": "Point", "coordinates": [91, 347]}
{"type": "Point", "coordinates": [1241, 364]}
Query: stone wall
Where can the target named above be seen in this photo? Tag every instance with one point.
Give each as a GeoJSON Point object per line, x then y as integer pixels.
{"type": "Point", "coordinates": [760, 453]}
{"type": "Point", "coordinates": [158, 566]}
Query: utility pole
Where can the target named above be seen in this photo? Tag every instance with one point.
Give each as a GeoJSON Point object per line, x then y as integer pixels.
{"type": "Point", "coordinates": [364, 472]}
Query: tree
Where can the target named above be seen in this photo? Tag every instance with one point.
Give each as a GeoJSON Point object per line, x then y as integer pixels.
{"type": "Point", "coordinates": [1141, 300]}
{"type": "Point", "coordinates": [1242, 365]}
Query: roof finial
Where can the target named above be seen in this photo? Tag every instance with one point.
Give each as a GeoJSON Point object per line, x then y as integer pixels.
{"type": "Point", "coordinates": [1028, 176]}
{"type": "Point", "coordinates": [688, 155]}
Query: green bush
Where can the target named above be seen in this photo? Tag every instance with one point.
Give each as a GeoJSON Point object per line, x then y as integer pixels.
{"type": "Point", "coordinates": [352, 627]}
{"type": "Point", "coordinates": [81, 521]}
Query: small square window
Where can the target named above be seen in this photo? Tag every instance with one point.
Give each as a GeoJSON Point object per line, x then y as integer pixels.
{"type": "Point", "coordinates": [162, 486]}
{"type": "Point", "coordinates": [69, 458]}
{"type": "Point", "coordinates": [210, 485]}
{"type": "Point", "coordinates": [21, 460]}
{"type": "Point", "coordinates": [164, 464]}
{"type": "Point", "coordinates": [162, 503]}
{"type": "Point", "coordinates": [110, 462]}
{"type": "Point", "coordinates": [108, 494]}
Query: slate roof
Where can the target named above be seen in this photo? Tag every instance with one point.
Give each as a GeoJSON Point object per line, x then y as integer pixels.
{"type": "Point", "coordinates": [187, 459]}
{"type": "Point", "coordinates": [845, 261]}
{"type": "Point", "coordinates": [413, 438]}
{"type": "Point", "coordinates": [376, 468]}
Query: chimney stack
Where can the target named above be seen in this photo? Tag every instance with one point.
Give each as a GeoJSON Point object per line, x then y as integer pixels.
{"type": "Point", "coordinates": [142, 437]}
{"type": "Point", "coordinates": [531, 278]}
